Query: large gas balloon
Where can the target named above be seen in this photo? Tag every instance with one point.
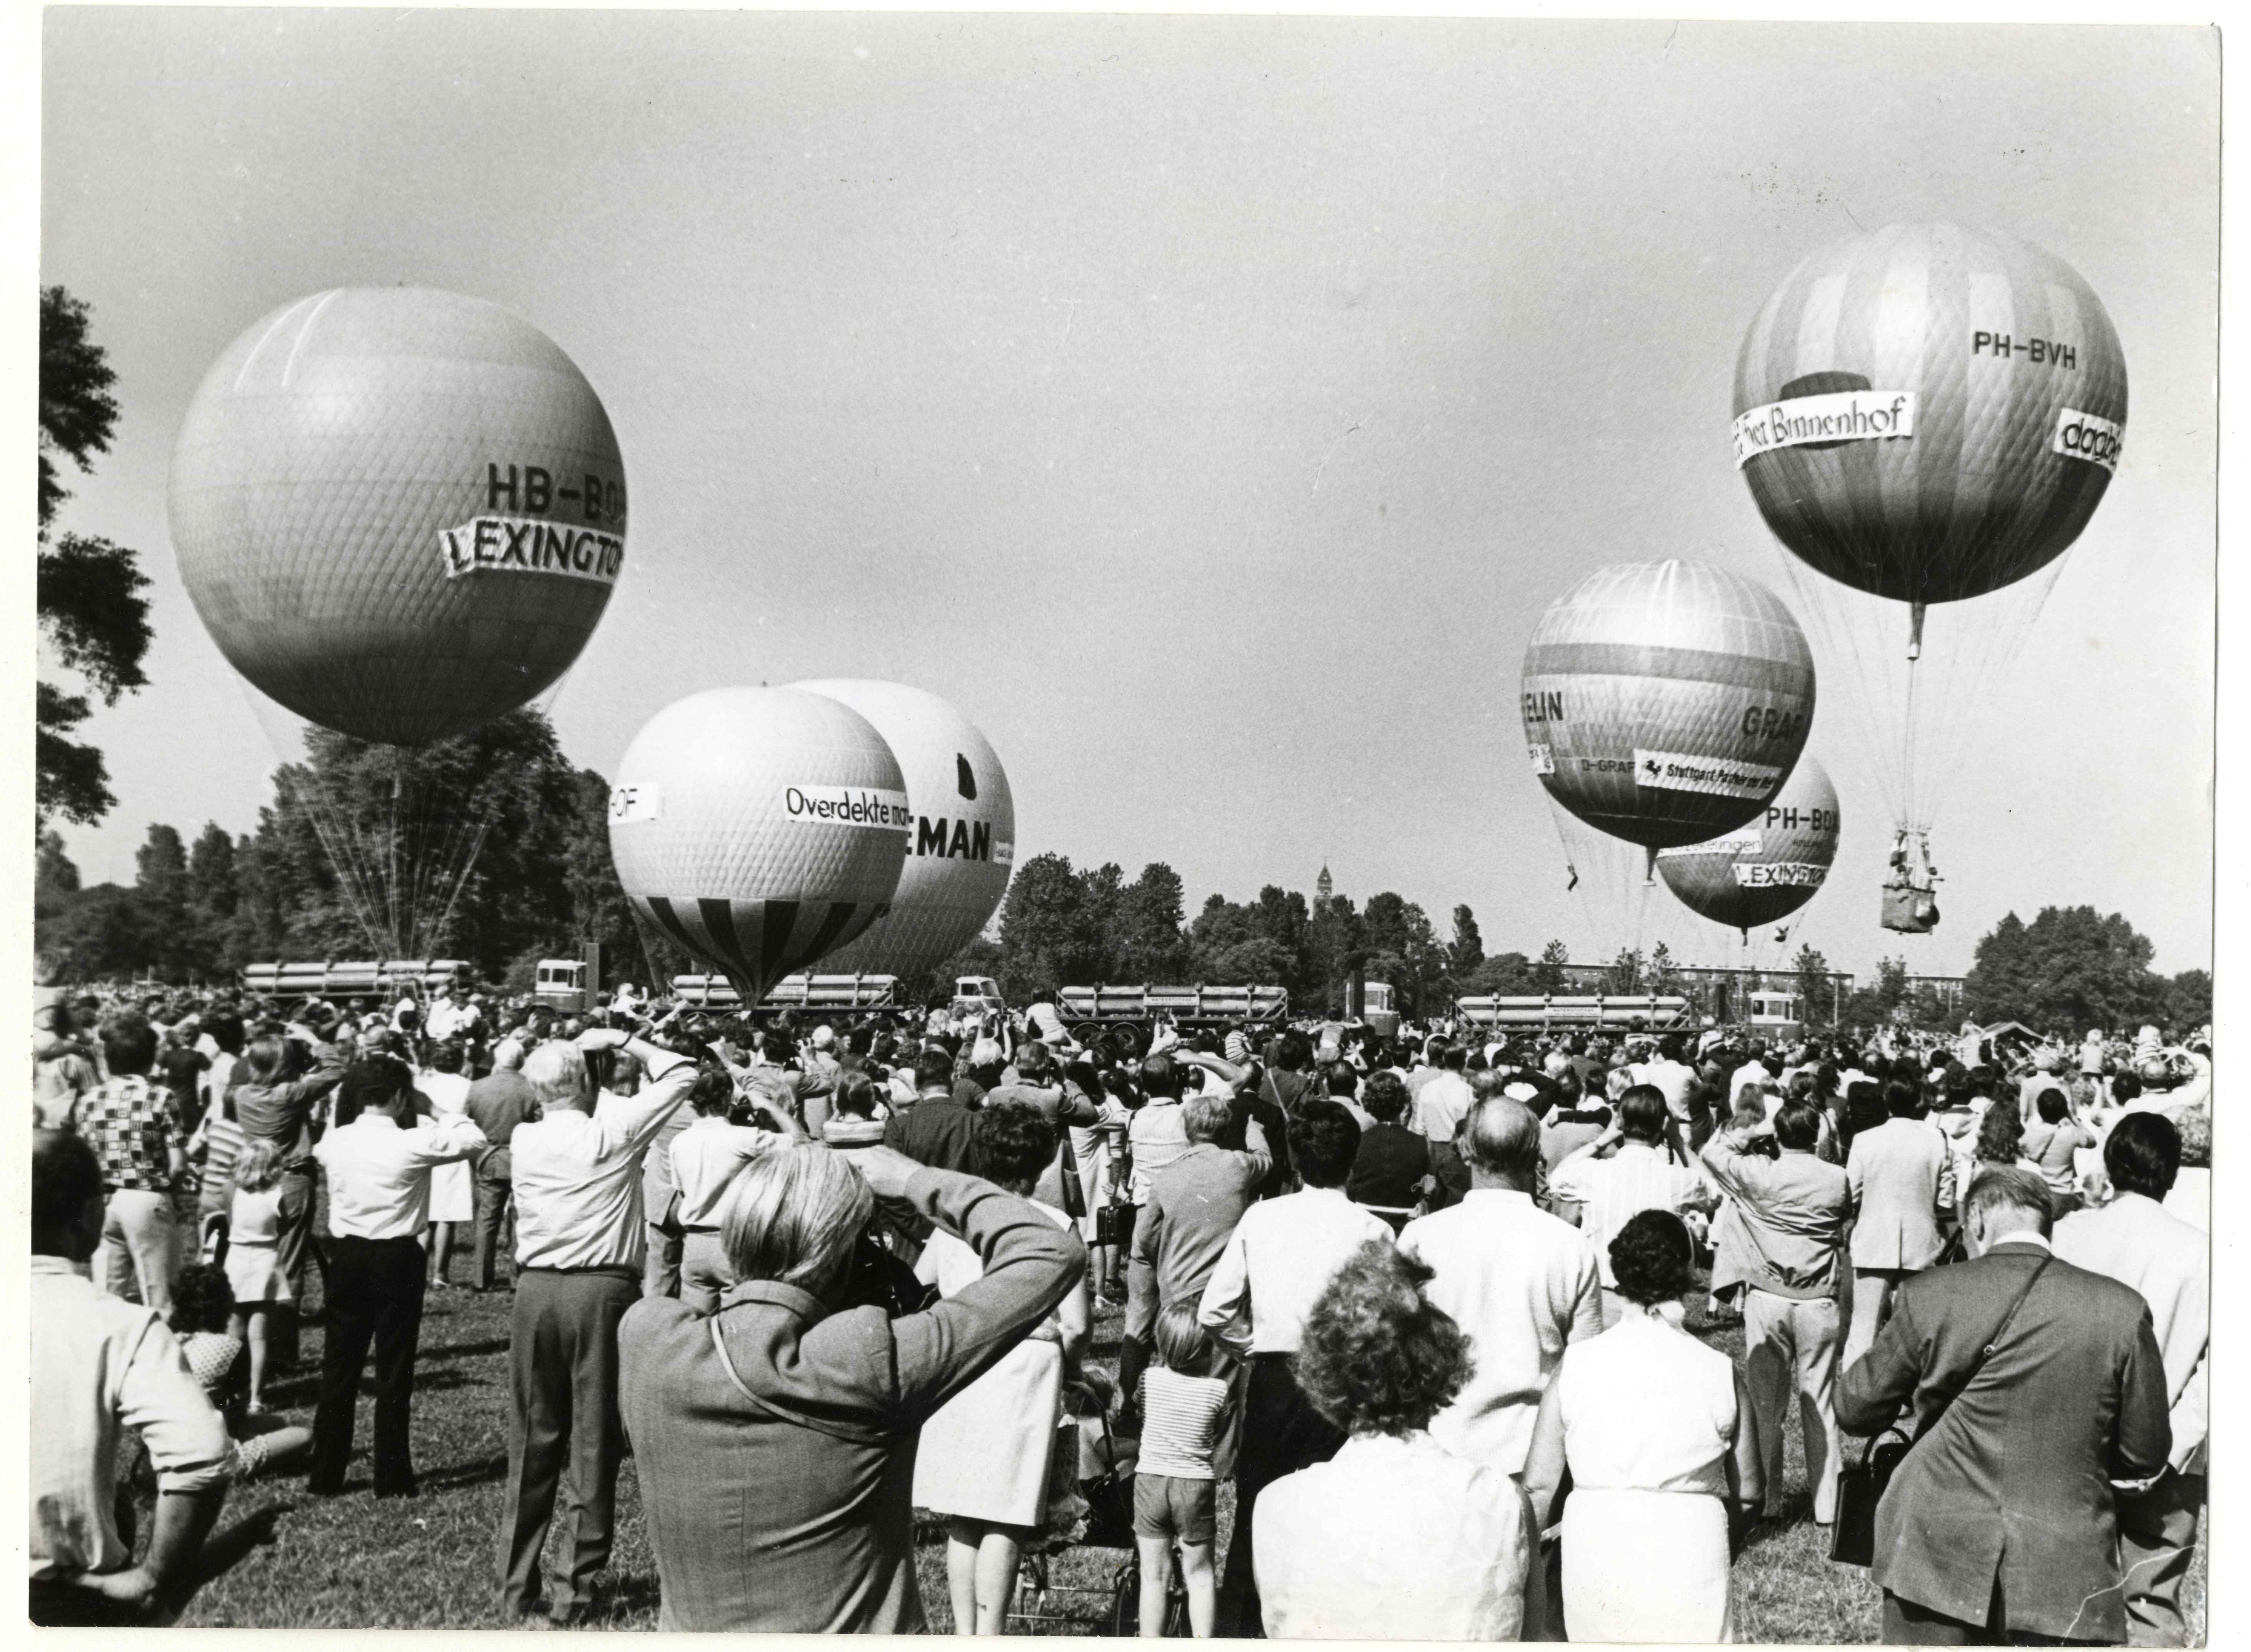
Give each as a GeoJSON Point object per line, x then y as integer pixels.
{"type": "Point", "coordinates": [964, 829]}
{"type": "Point", "coordinates": [1762, 872]}
{"type": "Point", "coordinates": [1665, 701]}
{"type": "Point", "coordinates": [1930, 412]}
{"type": "Point", "coordinates": [399, 512]}
{"type": "Point", "coordinates": [761, 829]}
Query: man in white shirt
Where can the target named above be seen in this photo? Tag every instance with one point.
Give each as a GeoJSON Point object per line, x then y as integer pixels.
{"type": "Point", "coordinates": [1279, 1259]}
{"type": "Point", "coordinates": [2135, 1240]}
{"type": "Point", "coordinates": [1754, 1071]}
{"type": "Point", "coordinates": [1641, 1176]}
{"type": "Point", "coordinates": [579, 1243]}
{"type": "Point", "coordinates": [1440, 1107]}
{"type": "Point", "coordinates": [378, 1174]}
{"type": "Point", "coordinates": [100, 1365]}
{"type": "Point", "coordinates": [1672, 1077]}
{"type": "Point", "coordinates": [1521, 1282]}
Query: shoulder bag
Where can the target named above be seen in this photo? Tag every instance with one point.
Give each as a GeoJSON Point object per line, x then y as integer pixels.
{"type": "Point", "coordinates": [1861, 1486]}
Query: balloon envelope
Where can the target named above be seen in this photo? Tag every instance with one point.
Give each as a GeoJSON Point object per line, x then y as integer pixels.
{"type": "Point", "coordinates": [1930, 412]}
{"type": "Point", "coordinates": [398, 512]}
{"type": "Point", "coordinates": [1667, 702]}
{"type": "Point", "coordinates": [758, 827]}
{"type": "Point", "coordinates": [1762, 872]}
{"type": "Point", "coordinates": [964, 829]}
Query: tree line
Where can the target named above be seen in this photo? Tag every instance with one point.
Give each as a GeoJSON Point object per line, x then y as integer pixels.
{"type": "Point", "coordinates": [501, 846]}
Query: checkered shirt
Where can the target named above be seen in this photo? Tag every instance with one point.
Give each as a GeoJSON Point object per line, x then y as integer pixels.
{"type": "Point", "coordinates": [131, 1124]}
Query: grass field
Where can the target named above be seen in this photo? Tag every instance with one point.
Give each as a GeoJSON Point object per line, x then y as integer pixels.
{"type": "Point", "coordinates": [283, 1559]}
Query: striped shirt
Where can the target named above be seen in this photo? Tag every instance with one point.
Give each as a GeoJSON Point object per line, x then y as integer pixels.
{"type": "Point", "coordinates": [1612, 1191]}
{"type": "Point", "coordinates": [221, 1139]}
{"type": "Point", "coordinates": [1180, 1423]}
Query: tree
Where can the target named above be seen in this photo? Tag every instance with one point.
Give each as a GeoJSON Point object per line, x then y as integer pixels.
{"type": "Point", "coordinates": [92, 612]}
{"type": "Point", "coordinates": [1260, 961]}
{"type": "Point", "coordinates": [1466, 951]}
{"type": "Point", "coordinates": [1553, 958]}
{"type": "Point", "coordinates": [213, 894]}
{"type": "Point", "coordinates": [1047, 940]}
{"type": "Point", "coordinates": [2070, 968]}
{"type": "Point", "coordinates": [459, 849]}
{"type": "Point", "coordinates": [1146, 941]}
{"type": "Point", "coordinates": [160, 884]}
{"type": "Point", "coordinates": [1511, 974]}
{"type": "Point", "coordinates": [2188, 999]}
{"type": "Point", "coordinates": [1816, 1002]}
{"type": "Point", "coordinates": [1625, 973]}
{"type": "Point", "coordinates": [54, 878]}
{"type": "Point", "coordinates": [103, 934]}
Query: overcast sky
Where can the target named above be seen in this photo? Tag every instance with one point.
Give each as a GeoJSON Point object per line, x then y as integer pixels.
{"type": "Point", "coordinates": [1208, 406]}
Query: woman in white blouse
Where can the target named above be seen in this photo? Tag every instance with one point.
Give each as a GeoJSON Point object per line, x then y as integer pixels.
{"type": "Point", "coordinates": [1394, 1538]}
{"type": "Point", "coordinates": [1664, 1469]}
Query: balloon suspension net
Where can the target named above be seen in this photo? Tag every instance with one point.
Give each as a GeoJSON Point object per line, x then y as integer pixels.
{"type": "Point", "coordinates": [400, 826]}
{"type": "Point", "coordinates": [1920, 680]}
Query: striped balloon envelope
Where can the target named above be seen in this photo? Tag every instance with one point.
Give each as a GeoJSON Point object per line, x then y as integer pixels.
{"type": "Point", "coordinates": [398, 512]}
{"type": "Point", "coordinates": [1928, 411]}
{"type": "Point", "coordinates": [1762, 873]}
{"type": "Point", "coordinates": [965, 829]}
{"type": "Point", "coordinates": [1666, 703]}
{"type": "Point", "coordinates": [761, 829]}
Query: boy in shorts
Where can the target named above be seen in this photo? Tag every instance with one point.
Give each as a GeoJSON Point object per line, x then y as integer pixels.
{"type": "Point", "coordinates": [1183, 1408]}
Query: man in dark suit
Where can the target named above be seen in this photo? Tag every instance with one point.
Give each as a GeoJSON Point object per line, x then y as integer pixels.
{"type": "Point", "coordinates": [2000, 1526]}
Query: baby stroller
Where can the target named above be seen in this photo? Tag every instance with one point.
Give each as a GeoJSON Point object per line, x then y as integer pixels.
{"type": "Point", "coordinates": [1099, 1516]}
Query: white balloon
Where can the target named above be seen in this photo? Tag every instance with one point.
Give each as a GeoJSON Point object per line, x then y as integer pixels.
{"type": "Point", "coordinates": [758, 827]}
{"type": "Point", "coordinates": [965, 829]}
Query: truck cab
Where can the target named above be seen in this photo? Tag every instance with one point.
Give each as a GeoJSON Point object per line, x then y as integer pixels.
{"type": "Point", "coordinates": [561, 982]}
{"type": "Point", "coordinates": [978, 996]}
{"type": "Point", "coordinates": [1775, 1017]}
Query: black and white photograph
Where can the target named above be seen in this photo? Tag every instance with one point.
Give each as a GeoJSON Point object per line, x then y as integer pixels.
{"type": "Point", "coordinates": [1322, 827]}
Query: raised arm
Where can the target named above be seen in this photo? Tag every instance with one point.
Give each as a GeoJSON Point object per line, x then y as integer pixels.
{"type": "Point", "coordinates": [1030, 1265]}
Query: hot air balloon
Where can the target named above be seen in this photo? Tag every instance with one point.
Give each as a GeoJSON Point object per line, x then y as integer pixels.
{"type": "Point", "coordinates": [1761, 873]}
{"type": "Point", "coordinates": [1927, 416]}
{"type": "Point", "coordinates": [398, 512]}
{"type": "Point", "coordinates": [1664, 703]}
{"type": "Point", "coordinates": [761, 829]}
{"type": "Point", "coordinates": [964, 829]}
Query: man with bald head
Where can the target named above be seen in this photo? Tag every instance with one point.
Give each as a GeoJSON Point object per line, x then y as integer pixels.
{"type": "Point", "coordinates": [1521, 1282]}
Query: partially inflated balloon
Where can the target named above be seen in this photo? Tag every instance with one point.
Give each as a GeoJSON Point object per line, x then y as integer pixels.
{"type": "Point", "coordinates": [1930, 412]}
{"type": "Point", "coordinates": [965, 829]}
{"type": "Point", "coordinates": [1665, 701]}
{"type": "Point", "coordinates": [761, 829]}
{"type": "Point", "coordinates": [1762, 872]}
{"type": "Point", "coordinates": [398, 512]}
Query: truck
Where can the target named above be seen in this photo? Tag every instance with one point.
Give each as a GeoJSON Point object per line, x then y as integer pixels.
{"type": "Point", "coordinates": [1775, 1015]}
{"type": "Point", "coordinates": [976, 996]}
{"type": "Point", "coordinates": [1627, 1013]}
{"type": "Point", "coordinates": [356, 978]}
{"type": "Point", "coordinates": [830, 995]}
{"type": "Point", "coordinates": [1088, 1013]}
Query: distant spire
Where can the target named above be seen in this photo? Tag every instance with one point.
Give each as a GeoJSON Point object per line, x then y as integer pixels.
{"type": "Point", "coordinates": [1323, 887]}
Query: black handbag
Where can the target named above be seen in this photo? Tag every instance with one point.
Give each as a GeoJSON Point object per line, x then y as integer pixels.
{"type": "Point", "coordinates": [1113, 1224]}
{"type": "Point", "coordinates": [1861, 1486]}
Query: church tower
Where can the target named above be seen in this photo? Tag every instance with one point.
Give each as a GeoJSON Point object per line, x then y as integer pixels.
{"type": "Point", "coordinates": [1324, 886]}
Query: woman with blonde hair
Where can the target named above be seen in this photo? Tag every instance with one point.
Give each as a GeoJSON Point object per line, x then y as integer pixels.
{"type": "Point", "coordinates": [253, 1268]}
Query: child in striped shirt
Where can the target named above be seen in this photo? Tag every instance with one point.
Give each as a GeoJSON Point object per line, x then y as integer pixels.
{"type": "Point", "coordinates": [1183, 1405]}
